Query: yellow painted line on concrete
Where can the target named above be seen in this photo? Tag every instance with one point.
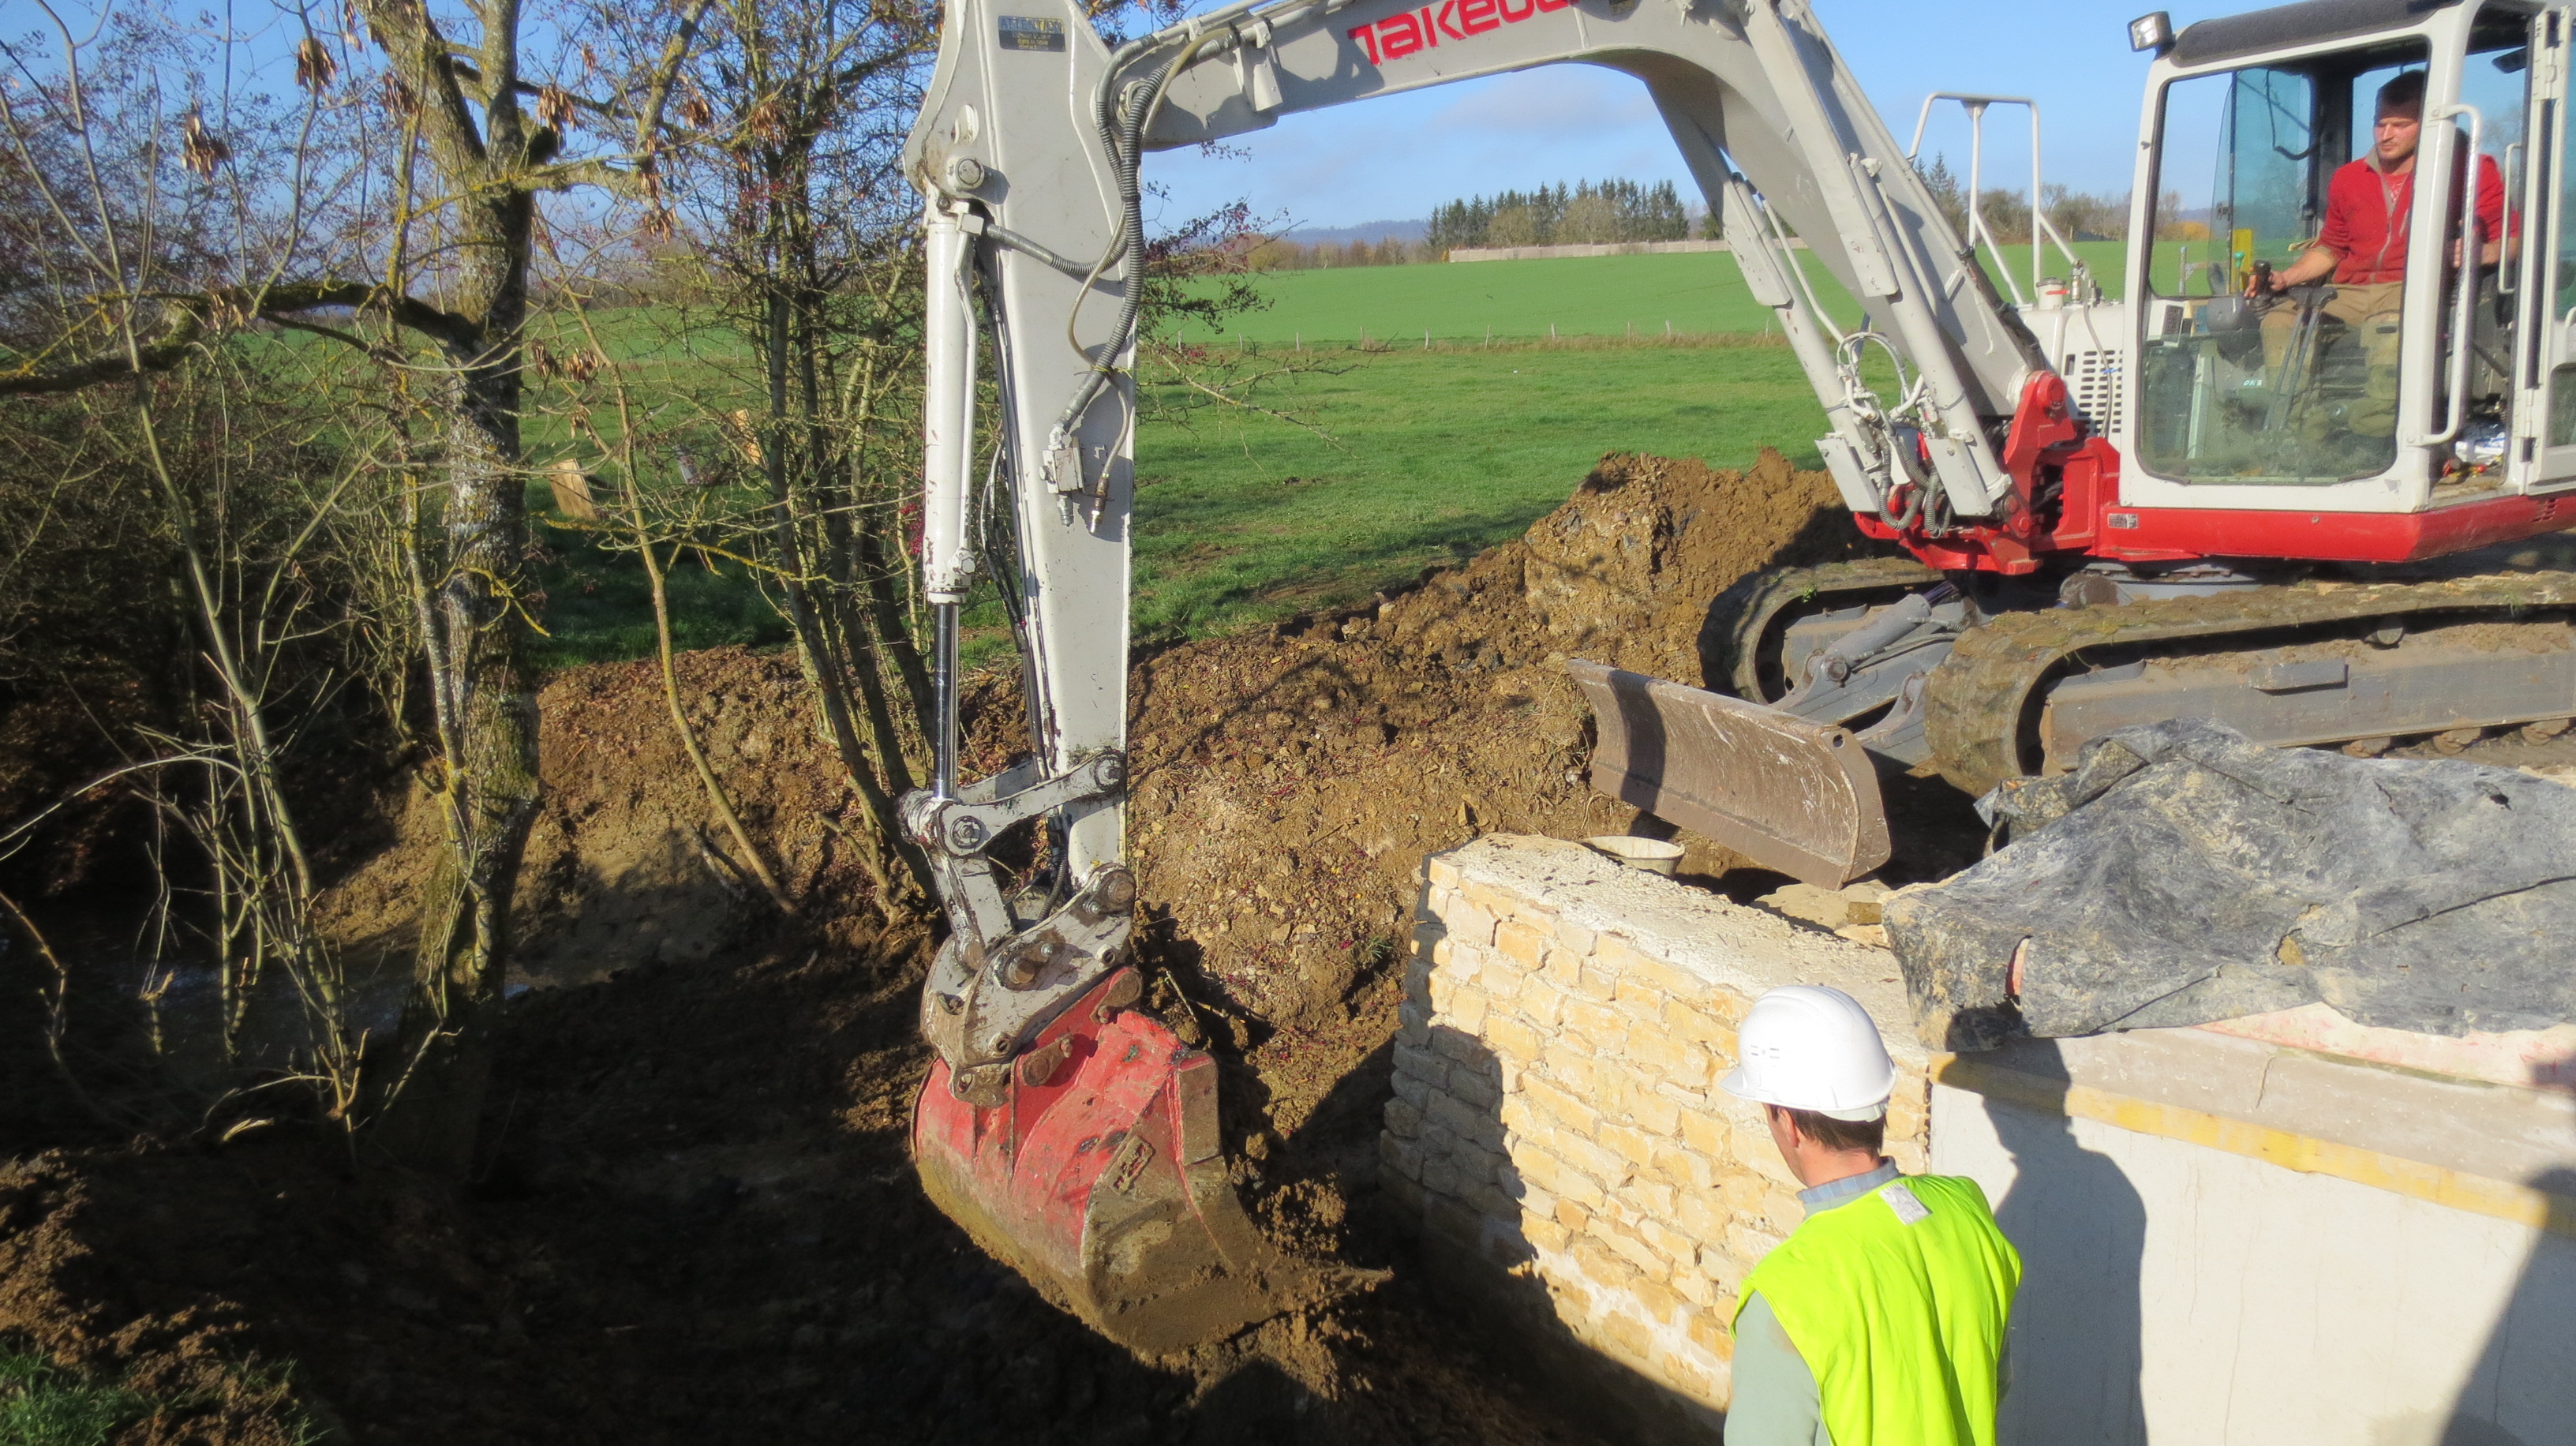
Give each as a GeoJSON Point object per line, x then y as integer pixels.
{"type": "Point", "coordinates": [2452, 1189]}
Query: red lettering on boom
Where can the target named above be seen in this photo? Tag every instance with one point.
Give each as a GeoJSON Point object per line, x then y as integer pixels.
{"type": "Point", "coordinates": [1402, 34]}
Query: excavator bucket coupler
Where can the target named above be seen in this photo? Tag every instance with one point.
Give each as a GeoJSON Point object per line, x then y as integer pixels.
{"type": "Point", "coordinates": [1786, 792]}
{"type": "Point", "coordinates": [1098, 1174]}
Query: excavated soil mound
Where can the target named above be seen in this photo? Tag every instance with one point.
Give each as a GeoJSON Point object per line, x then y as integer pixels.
{"type": "Point", "coordinates": [1289, 783]}
{"type": "Point", "coordinates": [697, 1221]}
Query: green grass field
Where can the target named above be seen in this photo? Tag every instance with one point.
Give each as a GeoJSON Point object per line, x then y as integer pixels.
{"type": "Point", "coordinates": [1702, 293]}
{"type": "Point", "coordinates": [1410, 456]}
{"type": "Point", "coordinates": [1432, 456]}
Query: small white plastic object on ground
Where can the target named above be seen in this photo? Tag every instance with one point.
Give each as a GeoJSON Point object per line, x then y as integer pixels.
{"type": "Point", "coordinates": [1807, 1047]}
{"type": "Point", "coordinates": [1654, 855]}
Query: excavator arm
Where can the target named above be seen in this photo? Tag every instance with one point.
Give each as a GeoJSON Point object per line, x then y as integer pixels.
{"type": "Point", "coordinates": [1028, 151]}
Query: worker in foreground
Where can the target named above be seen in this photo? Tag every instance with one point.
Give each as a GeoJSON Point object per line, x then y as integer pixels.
{"type": "Point", "coordinates": [1880, 1321]}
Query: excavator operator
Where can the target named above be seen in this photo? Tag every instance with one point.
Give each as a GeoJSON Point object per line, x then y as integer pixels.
{"type": "Point", "coordinates": [1881, 1318]}
{"type": "Point", "coordinates": [2362, 246]}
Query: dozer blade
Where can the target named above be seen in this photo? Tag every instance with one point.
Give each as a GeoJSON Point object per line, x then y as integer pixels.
{"type": "Point", "coordinates": [1099, 1177]}
{"type": "Point", "coordinates": [1786, 792]}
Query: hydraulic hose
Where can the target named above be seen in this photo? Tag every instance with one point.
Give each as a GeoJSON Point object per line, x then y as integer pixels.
{"type": "Point", "coordinates": [1124, 129]}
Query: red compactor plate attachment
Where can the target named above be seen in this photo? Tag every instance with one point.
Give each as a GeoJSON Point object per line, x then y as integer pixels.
{"type": "Point", "coordinates": [1100, 1177]}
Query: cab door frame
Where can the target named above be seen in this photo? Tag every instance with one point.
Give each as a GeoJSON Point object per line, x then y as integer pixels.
{"type": "Point", "coordinates": [2545, 338]}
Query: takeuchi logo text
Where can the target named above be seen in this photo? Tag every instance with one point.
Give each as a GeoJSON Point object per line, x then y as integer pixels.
{"type": "Point", "coordinates": [1401, 35]}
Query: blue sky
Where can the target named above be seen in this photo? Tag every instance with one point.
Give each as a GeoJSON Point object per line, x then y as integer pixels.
{"type": "Point", "coordinates": [1568, 122]}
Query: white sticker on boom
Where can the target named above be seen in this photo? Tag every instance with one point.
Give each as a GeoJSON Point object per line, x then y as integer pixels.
{"type": "Point", "coordinates": [1901, 1200]}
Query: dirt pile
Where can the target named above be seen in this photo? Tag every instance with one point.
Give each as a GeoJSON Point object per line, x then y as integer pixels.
{"type": "Point", "coordinates": [1289, 783]}
{"type": "Point", "coordinates": [698, 1221]}
{"type": "Point", "coordinates": [627, 864]}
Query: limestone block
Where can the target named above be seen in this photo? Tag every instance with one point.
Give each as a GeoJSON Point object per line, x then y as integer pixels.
{"type": "Point", "coordinates": [1657, 1300]}
{"type": "Point", "coordinates": [1599, 1027]}
{"type": "Point", "coordinates": [1482, 1197]}
{"type": "Point", "coordinates": [1685, 1376]}
{"type": "Point", "coordinates": [1417, 981]}
{"type": "Point", "coordinates": [1750, 1243]}
{"type": "Point", "coordinates": [1513, 1037]}
{"type": "Point", "coordinates": [1574, 937]}
{"type": "Point", "coordinates": [1687, 1169]}
{"type": "Point", "coordinates": [1551, 1172]}
{"type": "Point", "coordinates": [1781, 1211]}
{"type": "Point", "coordinates": [1449, 1044]}
{"type": "Point", "coordinates": [1594, 1257]}
{"type": "Point", "coordinates": [1477, 1088]}
{"type": "Point", "coordinates": [1652, 1112]}
{"type": "Point", "coordinates": [1701, 1026]}
{"type": "Point", "coordinates": [1412, 1089]}
{"type": "Point", "coordinates": [1627, 1337]}
{"type": "Point", "coordinates": [1573, 1216]}
{"type": "Point", "coordinates": [1540, 1002]}
{"type": "Point", "coordinates": [1631, 1247]}
{"type": "Point", "coordinates": [1423, 1064]}
{"type": "Point", "coordinates": [1470, 925]}
{"type": "Point", "coordinates": [1708, 1137]}
{"type": "Point", "coordinates": [1441, 1176]}
{"type": "Point", "coordinates": [1523, 943]}
{"type": "Point", "coordinates": [1413, 1024]}
{"type": "Point", "coordinates": [1402, 1156]}
{"type": "Point", "coordinates": [1634, 1146]}
{"type": "Point", "coordinates": [1486, 898]}
{"type": "Point", "coordinates": [1560, 1105]}
{"type": "Point", "coordinates": [1570, 1065]}
{"type": "Point", "coordinates": [1669, 1060]}
{"type": "Point", "coordinates": [1651, 1198]}
{"type": "Point", "coordinates": [1544, 1233]}
{"type": "Point", "coordinates": [1466, 1121]}
{"type": "Point", "coordinates": [1403, 1120]}
{"type": "Point", "coordinates": [1675, 1247]}
{"type": "Point", "coordinates": [1594, 984]}
{"type": "Point", "coordinates": [1635, 966]}
{"type": "Point", "coordinates": [1593, 1158]}
{"type": "Point", "coordinates": [1442, 874]}
{"type": "Point", "coordinates": [1725, 1270]}
{"type": "Point", "coordinates": [1692, 1286]}
{"type": "Point", "coordinates": [1710, 1331]}
{"type": "Point", "coordinates": [1564, 967]}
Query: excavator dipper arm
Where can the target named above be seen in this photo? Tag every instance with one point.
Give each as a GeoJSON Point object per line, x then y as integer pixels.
{"type": "Point", "coordinates": [1027, 152]}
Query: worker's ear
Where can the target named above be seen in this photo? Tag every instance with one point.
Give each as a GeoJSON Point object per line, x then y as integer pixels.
{"type": "Point", "coordinates": [1784, 1126]}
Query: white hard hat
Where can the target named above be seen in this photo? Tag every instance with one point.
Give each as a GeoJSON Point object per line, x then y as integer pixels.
{"type": "Point", "coordinates": [1807, 1047]}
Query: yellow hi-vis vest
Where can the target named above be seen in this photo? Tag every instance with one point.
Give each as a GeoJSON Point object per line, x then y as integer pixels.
{"type": "Point", "coordinates": [1897, 1299]}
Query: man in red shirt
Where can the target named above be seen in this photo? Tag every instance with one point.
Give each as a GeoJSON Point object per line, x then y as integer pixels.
{"type": "Point", "coordinates": [2363, 246]}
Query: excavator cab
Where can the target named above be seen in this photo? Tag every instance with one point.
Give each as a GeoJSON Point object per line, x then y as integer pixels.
{"type": "Point", "coordinates": [2417, 377]}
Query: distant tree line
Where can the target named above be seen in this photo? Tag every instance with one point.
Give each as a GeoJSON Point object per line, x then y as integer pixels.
{"type": "Point", "coordinates": [1282, 254]}
{"type": "Point", "coordinates": [2077, 215]}
{"type": "Point", "coordinates": [1586, 212]}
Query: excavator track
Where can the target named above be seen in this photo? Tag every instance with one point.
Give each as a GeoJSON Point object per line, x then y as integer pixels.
{"type": "Point", "coordinates": [1759, 608]}
{"type": "Point", "coordinates": [1981, 703]}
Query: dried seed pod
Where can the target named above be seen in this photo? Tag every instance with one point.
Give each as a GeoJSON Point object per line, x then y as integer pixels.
{"type": "Point", "coordinates": [201, 149]}
{"type": "Point", "coordinates": [314, 66]}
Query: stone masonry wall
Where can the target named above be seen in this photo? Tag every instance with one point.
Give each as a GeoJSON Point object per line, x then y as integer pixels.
{"type": "Point", "coordinates": [1557, 1124]}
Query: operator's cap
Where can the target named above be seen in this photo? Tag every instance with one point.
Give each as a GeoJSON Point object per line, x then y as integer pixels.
{"type": "Point", "coordinates": [1808, 1047]}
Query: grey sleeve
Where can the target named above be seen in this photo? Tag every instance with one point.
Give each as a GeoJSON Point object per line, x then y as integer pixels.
{"type": "Point", "coordinates": [1775, 1394]}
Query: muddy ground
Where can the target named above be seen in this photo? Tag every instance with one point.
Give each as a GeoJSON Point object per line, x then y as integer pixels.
{"type": "Point", "coordinates": [695, 1219]}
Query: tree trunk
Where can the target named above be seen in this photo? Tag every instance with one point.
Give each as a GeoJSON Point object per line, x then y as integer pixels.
{"type": "Point", "coordinates": [487, 712]}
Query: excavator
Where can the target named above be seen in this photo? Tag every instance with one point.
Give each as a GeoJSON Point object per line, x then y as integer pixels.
{"type": "Point", "coordinates": [2203, 495]}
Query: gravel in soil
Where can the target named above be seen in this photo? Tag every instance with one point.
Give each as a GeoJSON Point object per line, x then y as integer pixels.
{"type": "Point", "coordinates": [697, 1220]}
